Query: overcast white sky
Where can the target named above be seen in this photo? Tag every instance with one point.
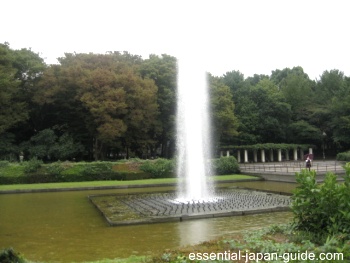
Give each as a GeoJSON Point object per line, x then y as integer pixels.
{"type": "Point", "coordinates": [252, 36]}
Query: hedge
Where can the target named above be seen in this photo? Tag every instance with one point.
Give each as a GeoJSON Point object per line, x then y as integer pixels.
{"type": "Point", "coordinates": [344, 156]}
{"type": "Point", "coordinates": [35, 172]}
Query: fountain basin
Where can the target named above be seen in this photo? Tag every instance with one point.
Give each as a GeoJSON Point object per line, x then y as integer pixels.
{"type": "Point", "coordinates": [149, 208]}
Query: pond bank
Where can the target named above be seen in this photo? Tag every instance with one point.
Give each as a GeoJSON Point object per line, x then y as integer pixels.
{"type": "Point", "coordinates": [106, 185]}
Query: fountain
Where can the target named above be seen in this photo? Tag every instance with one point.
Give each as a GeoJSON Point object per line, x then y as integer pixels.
{"type": "Point", "coordinates": [195, 197]}
{"type": "Point", "coordinates": [193, 132]}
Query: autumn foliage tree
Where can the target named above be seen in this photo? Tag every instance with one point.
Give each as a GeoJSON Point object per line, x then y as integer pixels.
{"type": "Point", "coordinates": [106, 96]}
{"type": "Point", "coordinates": [120, 105]}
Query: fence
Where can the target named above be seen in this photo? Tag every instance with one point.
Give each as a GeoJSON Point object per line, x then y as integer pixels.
{"type": "Point", "coordinates": [321, 167]}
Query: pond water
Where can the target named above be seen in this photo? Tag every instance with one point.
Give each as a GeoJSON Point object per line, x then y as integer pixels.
{"type": "Point", "coordinates": [66, 227]}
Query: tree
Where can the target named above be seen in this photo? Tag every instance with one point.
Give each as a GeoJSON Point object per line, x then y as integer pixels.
{"type": "Point", "coordinates": [331, 109]}
{"type": "Point", "coordinates": [297, 90]}
{"type": "Point", "coordinates": [263, 113]}
{"type": "Point", "coordinates": [234, 80]}
{"type": "Point", "coordinates": [105, 96]}
{"type": "Point", "coordinates": [47, 145]}
{"type": "Point", "coordinates": [13, 110]}
{"type": "Point", "coordinates": [224, 121]}
{"type": "Point", "coordinates": [304, 133]}
{"type": "Point", "coordinates": [163, 71]}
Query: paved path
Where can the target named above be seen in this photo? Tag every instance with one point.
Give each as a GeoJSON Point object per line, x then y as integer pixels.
{"type": "Point", "coordinates": [285, 171]}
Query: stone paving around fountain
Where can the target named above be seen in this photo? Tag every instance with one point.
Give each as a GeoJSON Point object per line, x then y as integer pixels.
{"type": "Point", "coordinates": [166, 207]}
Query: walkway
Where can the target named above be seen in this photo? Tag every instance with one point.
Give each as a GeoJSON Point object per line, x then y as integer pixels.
{"type": "Point", "coordinates": [285, 171]}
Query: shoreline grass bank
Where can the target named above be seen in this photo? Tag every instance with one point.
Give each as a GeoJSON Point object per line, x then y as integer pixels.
{"type": "Point", "coordinates": [89, 185]}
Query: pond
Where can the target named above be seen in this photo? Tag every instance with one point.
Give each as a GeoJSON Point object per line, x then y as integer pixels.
{"type": "Point", "coordinates": [66, 227]}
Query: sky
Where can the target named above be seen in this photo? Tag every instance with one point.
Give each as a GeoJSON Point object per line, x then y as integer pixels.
{"type": "Point", "coordinates": [251, 36]}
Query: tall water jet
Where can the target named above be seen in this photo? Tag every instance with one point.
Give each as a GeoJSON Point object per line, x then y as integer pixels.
{"type": "Point", "coordinates": [193, 131]}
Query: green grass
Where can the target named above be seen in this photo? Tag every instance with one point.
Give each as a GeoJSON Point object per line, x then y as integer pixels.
{"type": "Point", "coordinates": [131, 259]}
{"type": "Point", "coordinates": [15, 169]}
{"type": "Point", "coordinates": [144, 182]}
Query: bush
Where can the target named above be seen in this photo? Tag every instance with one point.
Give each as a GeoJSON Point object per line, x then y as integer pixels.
{"type": "Point", "coordinates": [344, 156]}
{"type": "Point", "coordinates": [32, 165]}
{"type": "Point", "coordinates": [225, 165]}
{"type": "Point", "coordinates": [55, 169]}
{"type": "Point", "coordinates": [159, 168]}
{"type": "Point", "coordinates": [8, 255]}
{"type": "Point", "coordinates": [4, 164]}
{"type": "Point", "coordinates": [322, 209]}
{"type": "Point", "coordinates": [97, 171]}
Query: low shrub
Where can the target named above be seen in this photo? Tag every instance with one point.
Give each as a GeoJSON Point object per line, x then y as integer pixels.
{"type": "Point", "coordinates": [32, 165]}
{"type": "Point", "coordinates": [35, 171]}
{"type": "Point", "coordinates": [344, 156]}
{"type": "Point", "coordinates": [225, 165]}
{"type": "Point", "coordinates": [160, 168]}
{"type": "Point", "coordinates": [323, 209]}
{"type": "Point", "coordinates": [4, 164]}
{"type": "Point", "coordinates": [55, 169]}
{"type": "Point", "coordinates": [9, 255]}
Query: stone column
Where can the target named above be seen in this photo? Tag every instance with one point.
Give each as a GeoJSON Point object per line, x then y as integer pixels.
{"type": "Point", "coordinates": [21, 157]}
{"type": "Point", "coordinates": [245, 155]}
{"type": "Point", "coordinates": [310, 151]}
{"type": "Point", "coordinates": [255, 156]}
{"type": "Point", "coordinates": [279, 152]}
{"type": "Point", "coordinates": [238, 156]}
{"type": "Point", "coordinates": [271, 155]}
{"type": "Point", "coordinates": [262, 155]}
{"type": "Point", "coordinates": [228, 153]}
{"type": "Point", "coordinates": [295, 151]}
{"type": "Point", "coordinates": [287, 155]}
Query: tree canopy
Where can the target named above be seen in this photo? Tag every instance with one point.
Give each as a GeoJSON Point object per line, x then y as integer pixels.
{"type": "Point", "coordinates": [117, 105]}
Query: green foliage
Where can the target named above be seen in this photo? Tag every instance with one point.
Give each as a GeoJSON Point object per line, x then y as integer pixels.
{"type": "Point", "coordinates": [55, 169]}
{"type": "Point", "coordinates": [269, 146]}
{"type": "Point", "coordinates": [34, 171]}
{"type": "Point", "coordinates": [343, 156]}
{"type": "Point", "coordinates": [41, 144]}
{"type": "Point", "coordinates": [225, 165]}
{"type": "Point", "coordinates": [274, 243]}
{"type": "Point", "coordinates": [90, 171]}
{"type": "Point", "coordinates": [123, 104]}
{"type": "Point", "coordinates": [4, 164]}
{"type": "Point", "coordinates": [32, 165]}
{"type": "Point", "coordinates": [47, 145]}
{"type": "Point", "coordinates": [225, 123]}
{"type": "Point", "coordinates": [66, 148]}
{"type": "Point", "coordinates": [323, 209]}
{"type": "Point", "coordinates": [305, 132]}
{"type": "Point", "coordinates": [9, 255]}
{"type": "Point", "coordinates": [13, 108]}
{"type": "Point", "coordinates": [159, 168]}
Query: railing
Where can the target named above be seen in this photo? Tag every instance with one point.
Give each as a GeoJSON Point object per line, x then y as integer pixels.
{"type": "Point", "coordinates": [292, 167]}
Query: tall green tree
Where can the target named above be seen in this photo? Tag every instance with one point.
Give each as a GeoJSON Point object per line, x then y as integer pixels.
{"type": "Point", "coordinates": [105, 95]}
{"type": "Point", "coordinates": [263, 113]}
{"type": "Point", "coordinates": [162, 69]}
{"type": "Point", "coordinates": [234, 80]}
{"type": "Point", "coordinates": [224, 121]}
{"type": "Point", "coordinates": [19, 70]}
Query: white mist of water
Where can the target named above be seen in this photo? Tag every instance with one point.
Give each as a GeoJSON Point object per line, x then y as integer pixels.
{"type": "Point", "coordinates": [193, 131]}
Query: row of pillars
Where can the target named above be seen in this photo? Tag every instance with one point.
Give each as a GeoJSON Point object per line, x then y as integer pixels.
{"type": "Point", "coordinates": [271, 159]}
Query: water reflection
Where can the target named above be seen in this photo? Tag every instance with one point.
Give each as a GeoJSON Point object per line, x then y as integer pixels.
{"type": "Point", "coordinates": [196, 231]}
{"type": "Point", "coordinates": [65, 227]}
{"type": "Point", "coordinates": [192, 232]}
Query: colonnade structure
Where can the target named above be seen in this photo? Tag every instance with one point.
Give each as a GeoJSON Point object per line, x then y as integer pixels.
{"type": "Point", "coordinates": [267, 152]}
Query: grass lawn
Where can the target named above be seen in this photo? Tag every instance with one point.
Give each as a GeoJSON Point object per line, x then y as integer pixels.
{"type": "Point", "coordinates": [144, 182]}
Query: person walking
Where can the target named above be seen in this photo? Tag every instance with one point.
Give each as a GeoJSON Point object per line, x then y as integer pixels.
{"type": "Point", "coordinates": [308, 163]}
